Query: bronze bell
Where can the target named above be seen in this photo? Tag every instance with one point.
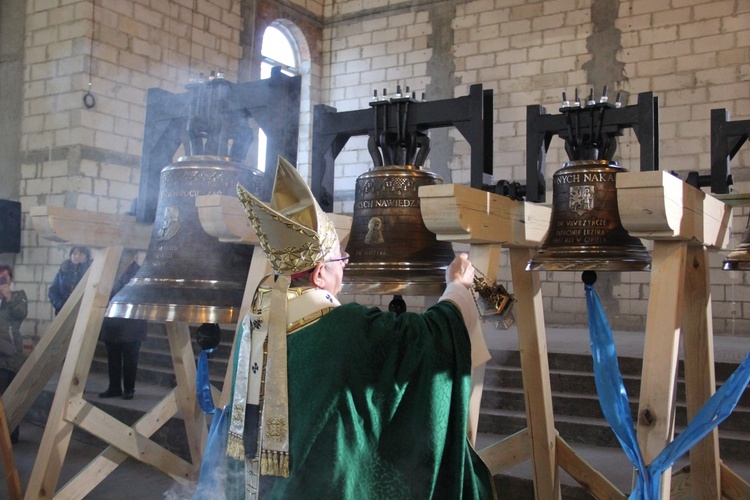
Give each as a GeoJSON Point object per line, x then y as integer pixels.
{"type": "Point", "coordinates": [187, 274]}
{"type": "Point", "coordinates": [739, 258]}
{"type": "Point", "coordinates": [585, 231]}
{"type": "Point", "coordinates": [392, 251]}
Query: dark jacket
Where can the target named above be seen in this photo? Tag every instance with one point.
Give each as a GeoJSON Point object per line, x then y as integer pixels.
{"type": "Point", "coordinates": [65, 281]}
{"type": "Point", "coordinates": [116, 330]}
{"type": "Point", "coordinates": [12, 313]}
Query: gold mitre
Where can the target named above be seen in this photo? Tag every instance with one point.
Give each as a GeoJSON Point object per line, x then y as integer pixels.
{"type": "Point", "coordinates": [294, 232]}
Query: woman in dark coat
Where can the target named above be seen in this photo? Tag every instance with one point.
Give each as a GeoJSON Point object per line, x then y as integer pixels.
{"type": "Point", "coordinates": [122, 337]}
{"type": "Point", "coordinates": [70, 273]}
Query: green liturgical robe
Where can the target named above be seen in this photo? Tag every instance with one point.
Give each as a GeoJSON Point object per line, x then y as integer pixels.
{"type": "Point", "coordinates": [378, 408]}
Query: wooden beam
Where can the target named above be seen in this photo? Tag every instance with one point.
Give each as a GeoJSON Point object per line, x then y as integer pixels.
{"type": "Point", "coordinates": [532, 342]}
{"type": "Point", "coordinates": [732, 485]}
{"type": "Point", "coordinates": [509, 452]}
{"type": "Point", "coordinates": [110, 430]}
{"type": "Point", "coordinates": [92, 229]}
{"type": "Point", "coordinates": [183, 361]}
{"type": "Point", "coordinates": [224, 217]}
{"type": "Point", "coordinates": [579, 469]}
{"type": "Point", "coordinates": [700, 380]}
{"type": "Point", "coordinates": [655, 425]}
{"type": "Point", "coordinates": [57, 432]}
{"type": "Point", "coordinates": [109, 459]}
{"type": "Point", "coordinates": [463, 214]}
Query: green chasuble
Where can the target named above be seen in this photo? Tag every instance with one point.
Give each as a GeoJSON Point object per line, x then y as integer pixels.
{"type": "Point", "coordinates": [378, 408]}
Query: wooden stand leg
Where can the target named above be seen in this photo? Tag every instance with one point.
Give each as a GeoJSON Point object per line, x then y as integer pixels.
{"type": "Point", "coordinates": [700, 380]}
{"type": "Point", "coordinates": [58, 430]}
{"type": "Point", "coordinates": [45, 359]}
{"type": "Point", "coordinates": [532, 341]}
{"type": "Point", "coordinates": [655, 427]}
{"type": "Point", "coordinates": [9, 463]}
{"type": "Point", "coordinates": [183, 360]}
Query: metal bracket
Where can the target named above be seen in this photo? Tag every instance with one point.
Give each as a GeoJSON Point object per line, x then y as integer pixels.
{"type": "Point", "coordinates": [642, 117]}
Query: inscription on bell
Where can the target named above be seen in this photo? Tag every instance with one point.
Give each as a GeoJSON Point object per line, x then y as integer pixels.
{"type": "Point", "coordinates": [397, 203]}
{"type": "Point", "coordinates": [583, 177]}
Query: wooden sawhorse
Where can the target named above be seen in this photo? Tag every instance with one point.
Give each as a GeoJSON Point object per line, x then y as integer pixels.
{"type": "Point", "coordinates": [684, 223]}
{"type": "Point", "coordinates": [73, 336]}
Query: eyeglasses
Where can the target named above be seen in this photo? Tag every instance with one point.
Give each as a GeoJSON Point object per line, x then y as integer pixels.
{"type": "Point", "coordinates": [343, 259]}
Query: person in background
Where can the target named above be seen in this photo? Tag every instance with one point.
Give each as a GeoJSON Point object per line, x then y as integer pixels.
{"type": "Point", "coordinates": [122, 337]}
{"type": "Point", "coordinates": [70, 273]}
{"type": "Point", "coordinates": [13, 309]}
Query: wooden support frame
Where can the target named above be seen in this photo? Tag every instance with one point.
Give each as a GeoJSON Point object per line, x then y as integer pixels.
{"type": "Point", "coordinates": [74, 334]}
{"type": "Point", "coordinates": [684, 224]}
{"type": "Point", "coordinates": [487, 221]}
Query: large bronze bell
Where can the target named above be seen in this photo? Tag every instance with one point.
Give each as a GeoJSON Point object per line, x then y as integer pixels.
{"type": "Point", "coordinates": [739, 258]}
{"type": "Point", "coordinates": [188, 275]}
{"type": "Point", "coordinates": [392, 252]}
{"type": "Point", "coordinates": [585, 231]}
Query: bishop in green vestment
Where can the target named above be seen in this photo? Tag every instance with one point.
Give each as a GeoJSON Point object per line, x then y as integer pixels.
{"type": "Point", "coordinates": [346, 401]}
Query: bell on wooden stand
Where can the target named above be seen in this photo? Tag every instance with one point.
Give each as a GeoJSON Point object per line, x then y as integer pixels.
{"type": "Point", "coordinates": [585, 231]}
{"type": "Point", "coordinates": [739, 258]}
{"type": "Point", "coordinates": [392, 252]}
{"type": "Point", "coordinates": [187, 274]}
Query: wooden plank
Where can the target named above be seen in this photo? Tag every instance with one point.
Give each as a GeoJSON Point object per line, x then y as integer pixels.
{"type": "Point", "coordinates": [92, 229]}
{"type": "Point", "coordinates": [655, 426]}
{"type": "Point", "coordinates": [108, 460]}
{"type": "Point", "coordinates": [532, 342]}
{"type": "Point", "coordinates": [700, 381]}
{"type": "Point", "coordinates": [657, 205]}
{"type": "Point", "coordinates": [110, 430]}
{"type": "Point", "coordinates": [9, 463]}
{"type": "Point", "coordinates": [459, 213]}
{"type": "Point", "coordinates": [75, 371]}
{"type": "Point", "coordinates": [183, 360]}
{"type": "Point", "coordinates": [682, 485]}
{"type": "Point", "coordinates": [509, 452]}
{"type": "Point", "coordinates": [732, 485]}
{"type": "Point", "coordinates": [579, 469]}
{"type": "Point", "coordinates": [224, 217]}
{"type": "Point", "coordinates": [45, 359]}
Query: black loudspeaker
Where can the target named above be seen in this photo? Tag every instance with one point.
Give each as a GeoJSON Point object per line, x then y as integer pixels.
{"type": "Point", "coordinates": [10, 226]}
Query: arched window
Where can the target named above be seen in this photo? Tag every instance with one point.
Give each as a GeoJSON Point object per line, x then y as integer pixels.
{"type": "Point", "coordinates": [278, 49]}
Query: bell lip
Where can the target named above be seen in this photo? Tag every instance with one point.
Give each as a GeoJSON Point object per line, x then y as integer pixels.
{"type": "Point", "coordinates": [384, 287]}
{"type": "Point", "coordinates": [735, 265]}
{"type": "Point", "coordinates": [161, 313]}
{"type": "Point", "coordinates": [624, 265]}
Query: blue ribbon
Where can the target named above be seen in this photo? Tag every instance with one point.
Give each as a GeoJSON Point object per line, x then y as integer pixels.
{"type": "Point", "coordinates": [203, 385]}
{"type": "Point", "coordinates": [614, 403]}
